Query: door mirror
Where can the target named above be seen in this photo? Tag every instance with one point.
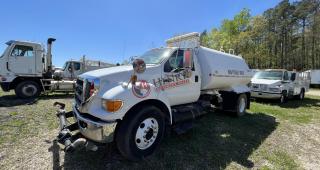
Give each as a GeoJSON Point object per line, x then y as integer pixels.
{"type": "Point", "coordinates": [139, 66]}
{"type": "Point", "coordinates": [187, 59]}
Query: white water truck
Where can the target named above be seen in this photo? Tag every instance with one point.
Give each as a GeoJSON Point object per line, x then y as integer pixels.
{"type": "Point", "coordinates": [166, 88]}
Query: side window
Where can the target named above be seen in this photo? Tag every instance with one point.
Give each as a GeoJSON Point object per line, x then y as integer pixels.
{"type": "Point", "coordinates": [174, 62]}
{"type": "Point", "coordinates": [22, 51]}
{"type": "Point", "coordinates": [76, 66]}
{"type": "Point", "coordinates": [285, 76]}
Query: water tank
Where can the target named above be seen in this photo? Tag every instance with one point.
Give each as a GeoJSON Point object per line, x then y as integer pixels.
{"type": "Point", "coordinates": [221, 70]}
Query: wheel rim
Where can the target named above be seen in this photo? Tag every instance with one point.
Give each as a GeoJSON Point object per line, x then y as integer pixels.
{"type": "Point", "coordinates": [242, 105]}
{"type": "Point", "coordinates": [147, 133]}
{"type": "Point", "coordinates": [301, 95]}
{"type": "Point", "coordinates": [281, 98]}
{"type": "Point", "coordinates": [29, 90]}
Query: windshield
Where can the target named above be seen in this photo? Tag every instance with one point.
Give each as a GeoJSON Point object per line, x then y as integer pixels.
{"type": "Point", "coordinates": [4, 50]}
{"type": "Point", "coordinates": [155, 56]}
{"type": "Point", "coordinates": [271, 75]}
{"type": "Point", "coordinates": [65, 66]}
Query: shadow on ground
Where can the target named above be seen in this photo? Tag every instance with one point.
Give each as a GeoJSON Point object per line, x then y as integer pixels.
{"type": "Point", "coordinates": [292, 103]}
{"type": "Point", "coordinates": [215, 141]}
{"type": "Point", "coordinates": [12, 100]}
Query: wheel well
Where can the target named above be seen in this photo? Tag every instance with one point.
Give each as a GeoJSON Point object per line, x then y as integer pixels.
{"type": "Point", "coordinates": [232, 98]}
{"type": "Point", "coordinates": [18, 80]}
{"type": "Point", "coordinates": [150, 102]}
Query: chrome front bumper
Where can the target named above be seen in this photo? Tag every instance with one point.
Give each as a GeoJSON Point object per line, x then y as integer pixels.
{"type": "Point", "coordinates": [102, 132]}
{"type": "Point", "coordinates": [265, 95]}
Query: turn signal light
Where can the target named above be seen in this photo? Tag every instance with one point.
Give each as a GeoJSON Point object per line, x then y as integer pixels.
{"type": "Point", "coordinates": [112, 105]}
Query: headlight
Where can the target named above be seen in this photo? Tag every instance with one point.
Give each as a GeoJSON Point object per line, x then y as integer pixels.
{"type": "Point", "coordinates": [112, 105]}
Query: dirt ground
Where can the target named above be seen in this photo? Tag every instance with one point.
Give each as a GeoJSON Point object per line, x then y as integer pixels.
{"type": "Point", "coordinates": [268, 137]}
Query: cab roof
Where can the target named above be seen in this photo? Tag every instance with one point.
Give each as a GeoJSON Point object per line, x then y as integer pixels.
{"type": "Point", "coordinates": [275, 70]}
{"type": "Point", "coordinates": [21, 42]}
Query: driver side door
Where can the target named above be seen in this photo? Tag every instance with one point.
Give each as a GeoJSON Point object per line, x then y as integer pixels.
{"type": "Point", "coordinates": [22, 60]}
{"type": "Point", "coordinates": [180, 84]}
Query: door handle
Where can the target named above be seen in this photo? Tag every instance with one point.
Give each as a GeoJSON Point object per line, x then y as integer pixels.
{"type": "Point", "coordinates": [196, 78]}
{"type": "Point", "coordinates": [7, 64]}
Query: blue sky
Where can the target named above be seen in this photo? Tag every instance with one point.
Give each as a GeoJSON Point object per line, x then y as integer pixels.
{"type": "Point", "coordinates": [112, 31]}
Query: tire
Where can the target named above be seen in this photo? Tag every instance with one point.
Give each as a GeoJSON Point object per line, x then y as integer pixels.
{"type": "Point", "coordinates": [241, 105]}
{"type": "Point", "coordinates": [27, 89]}
{"type": "Point", "coordinates": [283, 97]}
{"type": "Point", "coordinates": [134, 140]}
{"type": "Point", "coordinates": [302, 94]}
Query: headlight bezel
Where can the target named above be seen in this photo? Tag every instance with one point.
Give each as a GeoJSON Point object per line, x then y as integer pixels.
{"type": "Point", "coordinates": [112, 105]}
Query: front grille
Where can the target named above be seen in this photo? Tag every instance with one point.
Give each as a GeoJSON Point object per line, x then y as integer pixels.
{"type": "Point", "coordinates": [259, 87]}
{"type": "Point", "coordinates": [82, 92]}
{"type": "Point", "coordinates": [79, 92]}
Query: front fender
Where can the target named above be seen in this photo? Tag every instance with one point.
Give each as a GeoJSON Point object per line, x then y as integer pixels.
{"type": "Point", "coordinates": [130, 95]}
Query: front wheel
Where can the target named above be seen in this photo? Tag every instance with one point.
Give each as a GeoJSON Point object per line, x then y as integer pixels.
{"type": "Point", "coordinates": [27, 89]}
{"type": "Point", "coordinates": [283, 97]}
{"type": "Point", "coordinates": [241, 105]}
{"type": "Point", "coordinates": [140, 134]}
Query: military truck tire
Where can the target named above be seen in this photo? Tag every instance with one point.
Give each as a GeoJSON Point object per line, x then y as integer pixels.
{"type": "Point", "coordinates": [27, 89]}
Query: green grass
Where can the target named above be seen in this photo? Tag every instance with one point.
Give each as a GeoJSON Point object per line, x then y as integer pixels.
{"type": "Point", "coordinates": [281, 160]}
{"type": "Point", "coordinates": [216, 141]}
{"type": "Point", "coordinates": [294, 111]}
{"type": "Point", "coordinates": [24, 118]}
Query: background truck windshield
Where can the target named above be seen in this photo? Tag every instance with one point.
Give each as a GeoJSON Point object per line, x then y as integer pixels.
{"type": "Point", "coordinates": [3, 52]}
{"type": "Point", "coordinates": [155, 56]}
{"type": "Point", "coordinates": [271, 75]}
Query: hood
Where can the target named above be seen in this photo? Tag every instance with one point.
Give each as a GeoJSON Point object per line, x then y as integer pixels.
{"type": "Point", "coordinates": [265, 81]}
{"type": "Point", "coordinates": [122, 73]}
{"type": "Point", "coordinates": [107, 71]}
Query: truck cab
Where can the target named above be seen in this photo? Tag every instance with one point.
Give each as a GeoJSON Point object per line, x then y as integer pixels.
{"type": "Point", "coordinates": [22, 58]}
{"type": "Point", "coordinates": [70, 70]}
{"type": "Point", "coordinates": [20, 61]}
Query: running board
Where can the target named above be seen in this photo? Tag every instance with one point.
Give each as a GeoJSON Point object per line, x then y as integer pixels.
{"type": "Point", "coordinates": [188, 112]}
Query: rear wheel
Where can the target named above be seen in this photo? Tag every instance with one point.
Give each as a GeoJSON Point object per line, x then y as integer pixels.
{"type": "Point", "coordinates": [302, 94]}
{"type": "Point", "coordinates": [27, 89]}
{"type": "Point", "coordinates": [241, 105]}
{"type": "Point", "coordinates": [139, 135]}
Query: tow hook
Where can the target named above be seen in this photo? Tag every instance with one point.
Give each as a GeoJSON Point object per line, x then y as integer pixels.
{"type": "Point", "coordinates": [65, 136]}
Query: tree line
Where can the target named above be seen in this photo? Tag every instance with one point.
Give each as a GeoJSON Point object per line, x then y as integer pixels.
{"type": "Point", "coordinates": [286, 36]}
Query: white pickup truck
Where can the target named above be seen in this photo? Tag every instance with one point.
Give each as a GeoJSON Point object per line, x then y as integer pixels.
{"type": "Point", "coordinates": [279, 84]}
{"type": "Point", "coordinates": [165, 88]}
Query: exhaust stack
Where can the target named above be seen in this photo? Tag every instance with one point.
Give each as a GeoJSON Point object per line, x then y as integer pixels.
{"type": "Point", "coordinates": [49, 55]}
